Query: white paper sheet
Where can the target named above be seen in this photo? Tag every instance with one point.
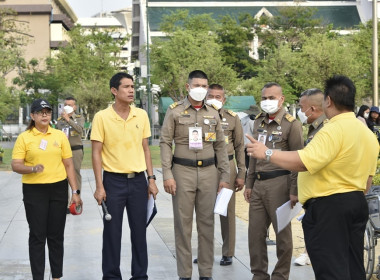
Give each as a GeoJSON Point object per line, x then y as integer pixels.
{"type": "Point", "coordinates": [222, 201]}
{"type": "Point", "coordinates": [150, 207]}
{"type": "Point", "coordinates": [285, 214]}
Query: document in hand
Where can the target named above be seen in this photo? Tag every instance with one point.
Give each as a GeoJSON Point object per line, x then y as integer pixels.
{"type": "Point", "coordinates": [285, 213]}
{"type": "Point", "coordinates": [222, 201]}
{"type": "Point", "coordinates": [152, 210]}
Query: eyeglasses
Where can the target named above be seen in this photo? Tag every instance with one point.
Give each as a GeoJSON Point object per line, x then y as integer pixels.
{"type": "Point", "coordinates": [42, 113]}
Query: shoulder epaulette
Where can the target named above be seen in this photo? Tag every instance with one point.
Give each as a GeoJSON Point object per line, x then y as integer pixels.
{"type": "Point", "coordinates": [60, 118]}
{"type": "Point", "coordinates": [172, 106]}
{"type": "Point", "coordinates": [258, 116]}
{"type": "Point", "coordinates": [232, 113]}
{"type": "Point", "coordinates": [289, 117]}
{"type": "Point", "coordinates": [325, 121]}
{"type": "Point", "coordinates": [215, 107]}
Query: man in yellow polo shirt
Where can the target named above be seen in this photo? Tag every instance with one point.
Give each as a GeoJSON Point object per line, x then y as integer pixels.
{"type": "Point", "coordinates": [120, 146]}
{"type": "Point", "coordinates": [338, 166]}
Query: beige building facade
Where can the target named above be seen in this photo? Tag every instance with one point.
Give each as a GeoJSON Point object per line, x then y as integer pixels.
{"type": "Point", "coordinates": [46, 21]}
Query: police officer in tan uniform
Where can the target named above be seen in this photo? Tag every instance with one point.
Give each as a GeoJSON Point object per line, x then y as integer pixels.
{"type": "Point", "coordinates": [191, 174]}
{"type": "Point", "coordinates": [311, 112]}
{"type": "Point", "coordinates": [234, 137]}
{"type": "Point", "coordinates": [72, 125]}
{"type": "Point", "coordinates": [268, 187]}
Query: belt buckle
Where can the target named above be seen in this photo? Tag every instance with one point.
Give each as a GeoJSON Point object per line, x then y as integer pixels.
{"type": "Point", "coordinates": [199, 162]}
{"type": "Point", "coordinates": [131, 175]}
{"type": "Point", "coordinates": [258, 176]}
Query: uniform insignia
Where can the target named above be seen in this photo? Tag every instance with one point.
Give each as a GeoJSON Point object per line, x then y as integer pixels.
{"type": "Point", "coordinates": [78, 116]}
{"type": "Point", "coordinates": [259, 115]}
{"type": "Point", "coordinates": [172, 106]}
{"type": "Point", "coordinates": [215, 107]}
{"type": "Point", "coordinates": [60, 118]}
{"type": "Point", "coordinates": [289, 117]}
{"type": "Point", "coordinates": [325, 121]}
{"type": "Point", "coordinates": [231, 113]}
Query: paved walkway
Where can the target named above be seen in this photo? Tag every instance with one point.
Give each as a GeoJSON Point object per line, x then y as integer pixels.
{"type": "Point", "coordinates": [83, 240]}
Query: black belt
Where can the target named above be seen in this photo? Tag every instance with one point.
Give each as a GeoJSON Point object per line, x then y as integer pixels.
{"type": "Point", "coordinates": [270, 174]}
{"type": "Point", "coordinates": [230, 157]}
{"type": "Point", "coordinates": [310, 201]}
{"type": "Point", "coordinates": [78, 147]}
{"type": "Point", "coordinates": [127, 175]}
{"type": "Point", "coordinates": [194, 163]}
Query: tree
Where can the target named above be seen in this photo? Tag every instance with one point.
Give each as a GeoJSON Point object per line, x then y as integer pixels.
{"type": "Point", "coordinates": [8, 101]}
{"type": "Point", "coordinates": [13, 37]}
{"type": "Point", "coordinates": [189, 45]}
{"type": "Point", "coordinates": [81, 69]}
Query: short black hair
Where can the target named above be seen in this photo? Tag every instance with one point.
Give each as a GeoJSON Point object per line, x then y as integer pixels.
{"type": "Point", "coordinates": [269, 85]}
{"type": "Point", "coordinates": [71, 98]}
{"type": "Point", "coordinates": [216, 86]}
{"type": "Point", "coordinates": [341, 91]}
{"type": "Point", "coordinates": [115, 80]}
{"type": "Point", "coordinates": [197, 74]}
{"type": "Point", "coordinates": [195, 131]}
{"type": "Point", "coordinates": [311, 91]}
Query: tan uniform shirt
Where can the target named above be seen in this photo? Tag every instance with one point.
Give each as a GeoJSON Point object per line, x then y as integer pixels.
{"type": "Point", "coordinates": [179, 118]}
{"type": "Point", "coordinates": [234, 136]}
{"type": "Point", "coordinates": [314, 127]}
{"type": "Point", "coordinates": [285, 133]}
{"type": "Point", "coordinates": [75, 126]}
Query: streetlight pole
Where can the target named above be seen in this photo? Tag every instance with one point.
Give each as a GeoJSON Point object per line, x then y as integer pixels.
{"type": "Point", "coordinates": [148, 91]}
{"type": "Point", "coordinates": [375, 53]}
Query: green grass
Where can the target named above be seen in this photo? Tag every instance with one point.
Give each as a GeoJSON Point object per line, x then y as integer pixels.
{"type": "Point", "coordinates": [87, 162]}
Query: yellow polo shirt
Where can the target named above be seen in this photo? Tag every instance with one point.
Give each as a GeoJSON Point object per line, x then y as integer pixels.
{"type": "Point", "coordinates": [122, 139]}
{"type": "Point", "coordinates": [30, 146]}
{"type": "Point", "coordinates": [339, 159]}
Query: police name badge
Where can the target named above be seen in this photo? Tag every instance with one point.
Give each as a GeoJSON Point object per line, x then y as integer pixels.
{"type": "Point", "coordinates": [43, 144]}
{"type": "Point", "coordinates": [262, 138]}
{"type": "Point", "coordinates": [195, 138]}
{"type": "Point", "coordinates": [66, 130]}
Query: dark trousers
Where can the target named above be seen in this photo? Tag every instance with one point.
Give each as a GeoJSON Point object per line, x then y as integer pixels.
{"type": "Point", "coordinates": [45, 208]}
{"type": "Point", "coordinates": [131, 194]}
{"type": "Point", "coordinates": [334, 236]}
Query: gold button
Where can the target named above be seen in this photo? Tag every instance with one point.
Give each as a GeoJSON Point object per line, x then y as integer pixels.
{"type": "Point", "coordinates": [199, 163]}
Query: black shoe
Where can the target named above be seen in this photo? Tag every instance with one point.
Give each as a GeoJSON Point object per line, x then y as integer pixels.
{"type": "Point", "coordinates": [226, 260]}
{"type": "Point", "coordinates": [184, 278]}
{"type": "Point", "coordinates": [195, 260]}
{"type": "Point", "coordinates": [205, 278]}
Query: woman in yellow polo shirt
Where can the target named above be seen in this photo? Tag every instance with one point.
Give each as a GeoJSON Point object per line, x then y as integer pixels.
{"type": "Point", "coordinates": [43, 156]}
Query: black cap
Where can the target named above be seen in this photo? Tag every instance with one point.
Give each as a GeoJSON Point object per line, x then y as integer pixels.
{"type": "Point", "coordinates": [40, 104]}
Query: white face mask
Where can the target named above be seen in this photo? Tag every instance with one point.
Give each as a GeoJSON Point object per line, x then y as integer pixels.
{"type": "Point", "coordinates": [302, 115]}
{"type": "Point", "coordinates": [269, 106]}
{"type": "Point", "coordinates": [218, 104]}
{"type": "Point", "coordinates": [68, 109]}
{"type": "Point", "coordinates": [198, 93]}
{"type": "Point", "coordinates": [366, 115]}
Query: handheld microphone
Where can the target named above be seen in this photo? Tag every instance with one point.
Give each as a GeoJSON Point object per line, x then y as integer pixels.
{"type": "Point", "coordinates": [107, 215]}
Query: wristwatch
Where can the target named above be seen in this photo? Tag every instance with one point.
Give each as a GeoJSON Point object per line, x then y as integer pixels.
{"type": "Point", "coordinates": [76, 192]}
{"type": "Point", "coordinates": [268, 154]}
{"type": "Point", "coordinates": [152, 177]}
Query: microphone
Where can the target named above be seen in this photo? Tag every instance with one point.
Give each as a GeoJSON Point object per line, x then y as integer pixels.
{"type": "Point", "coordinates": [107, 215]}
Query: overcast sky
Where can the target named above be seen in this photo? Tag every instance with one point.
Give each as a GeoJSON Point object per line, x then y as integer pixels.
{"type": "Point", "coordinates": [88, 8]}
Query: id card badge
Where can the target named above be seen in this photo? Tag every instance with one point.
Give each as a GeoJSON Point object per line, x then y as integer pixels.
{"type": "Point", "coordinates": [66, 130]}
{"type": "Point", "coordinates": [43, 144]}
{"type": "Point", "coordinates": [195, 138]}
{"type": "Point", "coordinates": [262, 138]}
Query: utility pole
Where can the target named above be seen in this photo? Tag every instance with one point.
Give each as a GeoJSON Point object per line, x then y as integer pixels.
{"type": "Point", "coordinates": [148, 85]}
{"type": "Point", "coordinates": [375, 53]}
